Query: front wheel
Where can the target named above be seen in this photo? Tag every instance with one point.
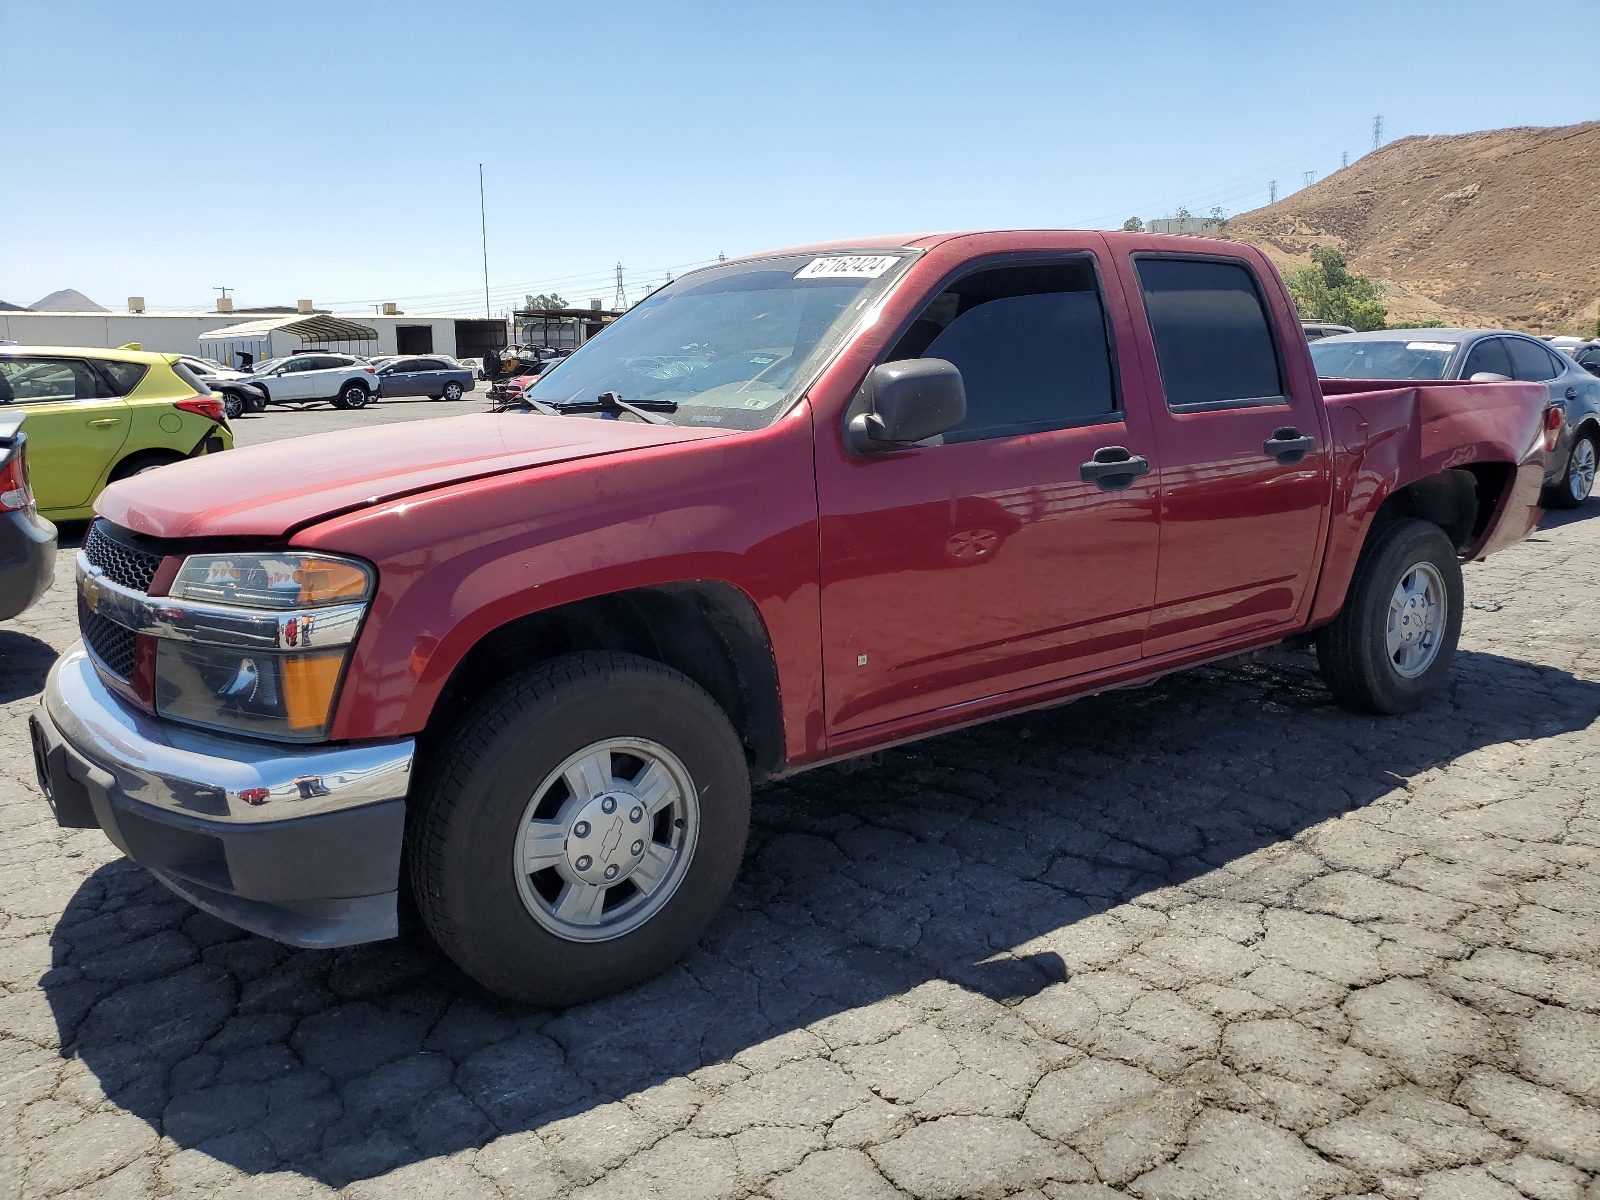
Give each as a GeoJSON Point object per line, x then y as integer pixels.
{"type": "Point", "coordinates": [579, 828]}
{"type": "Point", "coordinates": [233, 405]}
{"type": "Point", "coordinates": [1577, 481]}
{"type": "Point", "coordinates": [1390, 648]}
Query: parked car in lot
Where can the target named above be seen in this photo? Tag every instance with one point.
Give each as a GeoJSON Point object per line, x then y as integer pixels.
{"type": "Point", "coordinates": [301, 380]}
{"type": "Point", "coordinates": [1317, 330]}
{"type": "Point", "coordinates": [237, 393]}
{"type": "Point", "coordinates": [534, 660]}
{"type": "Point", "coordinates": [1587, 356]}
{"type": "Point", "coordinates": [435, 377]}
{"type": "Point", "coordinates": [1486, 354]}
{"type": "Point", "coordinates": [96, 416]}
{"type": "Point", "coordinates": [27, 540]}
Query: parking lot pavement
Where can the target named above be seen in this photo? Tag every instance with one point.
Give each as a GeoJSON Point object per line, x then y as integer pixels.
{"type": "Point", "coordinates": [1213, 938]}
{"type": "Point", "coordinates": [277, 422]}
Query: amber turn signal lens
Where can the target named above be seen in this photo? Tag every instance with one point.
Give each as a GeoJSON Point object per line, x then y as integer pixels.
{"type": "Point", "coordinates": [309, 682]}
{"type": "Point", "coordinates": [323, 580]}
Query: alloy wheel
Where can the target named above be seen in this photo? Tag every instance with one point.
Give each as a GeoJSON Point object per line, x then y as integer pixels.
{"type": "Point", "coordinates": [1416, 620]}
{"type": "Point", "coordinates": [606, 839]}
{"type": "Point", "coordinates": [1580, 471]}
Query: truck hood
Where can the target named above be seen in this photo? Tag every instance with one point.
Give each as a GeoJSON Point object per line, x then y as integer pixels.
{"type": "Point", "coordinates": [271, 490]}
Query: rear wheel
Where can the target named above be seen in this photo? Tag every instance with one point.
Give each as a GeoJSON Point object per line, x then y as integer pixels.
{"type": "Point", "coordinates": [1391, 647]}
{"type": "Point", "coordinates": [353, 395]}
{"type": "Point", "coordinates": [452, 390]}
{"type": "Point", "coordinates": [1575, 484]}
{"type": "Point", "coordinates": [579, 828]}
{"type": "Point", "coordinates": [146, 460]}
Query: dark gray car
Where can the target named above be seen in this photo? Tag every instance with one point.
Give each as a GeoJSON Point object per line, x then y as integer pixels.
{"type": "Point", "coordinates": [27, 540]}
{"type": "Point", "coordinates": [1403, 354]}
{"type": "Point", "coordinates": [437, 378]}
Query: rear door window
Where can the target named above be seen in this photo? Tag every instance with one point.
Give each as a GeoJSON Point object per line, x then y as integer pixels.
{"type": "Point", "coordinates": [1031, 343]}
{"type": "Point", "coordinates": [1489, 355]}
{"type": "Point", "coordinates": [1213, 338]}
{"type": "Point", "coordinates": [124, 376]}
{"type": "Point", "coordinates": [46, 380]}
{"type": "Point", "coordinates": [1531, 362]}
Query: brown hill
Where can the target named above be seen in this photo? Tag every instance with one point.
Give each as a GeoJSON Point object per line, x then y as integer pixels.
{"type": "Point", "coordinates": [1495, 228]}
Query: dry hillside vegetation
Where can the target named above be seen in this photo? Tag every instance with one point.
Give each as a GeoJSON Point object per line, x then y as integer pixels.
{"type": "Point", "coordinates": [1493, 229]}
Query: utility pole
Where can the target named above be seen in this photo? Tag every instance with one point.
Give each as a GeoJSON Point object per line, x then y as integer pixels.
{"type": "Point", "coordinates": [1307, 178]}
{"type": "Point", "coordinates": [483, 226]}
{"type": "Point", "coordinates": [620, 302]}
{"type": "Point", "coordinates": [1377, 131]}
{"type": "Point", "coordinates": [721, 257]}
{"type": "Point", "coordinates": [223, 290]}
{"type": "Point", "coordinates": [1272, 192]}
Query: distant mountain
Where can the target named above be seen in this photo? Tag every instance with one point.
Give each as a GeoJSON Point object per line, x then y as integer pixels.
{"type": "Point", "coordinates": [67, 300]}
{"type": "Point", "coordinates": [4, 307]}
{"type": "Point", "coordinates": [1492, 228]}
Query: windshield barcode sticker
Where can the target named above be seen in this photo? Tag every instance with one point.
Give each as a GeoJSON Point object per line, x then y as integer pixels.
{"type": "Point", "coordinates": [1430, 345]}
{"type": "Point", "coordinates": [851, 266]}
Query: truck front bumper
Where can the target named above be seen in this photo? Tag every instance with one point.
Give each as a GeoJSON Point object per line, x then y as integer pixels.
{"type": "Point", "coordinates": [300, 844]}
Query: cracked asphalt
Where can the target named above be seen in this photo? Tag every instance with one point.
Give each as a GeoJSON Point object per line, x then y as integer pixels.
{"type": "Point", "coordinates": [1213, 938]}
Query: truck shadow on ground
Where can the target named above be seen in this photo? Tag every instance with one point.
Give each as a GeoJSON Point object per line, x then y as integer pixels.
{"type": "Point", "coordinates": [27, 661]}
{"type": "Point", "coordinates": [937, 865]}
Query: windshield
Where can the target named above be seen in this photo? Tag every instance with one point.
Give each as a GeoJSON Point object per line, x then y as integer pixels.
{"type": "Point", "coordinates": [1338, 359]}
{"type": "Point", "coordinates": [729, 345]}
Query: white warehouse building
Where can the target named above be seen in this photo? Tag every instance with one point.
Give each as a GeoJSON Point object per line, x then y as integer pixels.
{"type": "Point", "coordinates": [253, 333]}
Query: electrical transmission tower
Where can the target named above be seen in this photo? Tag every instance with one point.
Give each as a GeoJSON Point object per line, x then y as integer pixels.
{"type": "Point", "coordinates": [620, 302]}
{"type": "Point", "coordinates": [1344, 160]}
{"type": "Point", "coordinates": [1377, 132]}
{"type": "Point", "coordinates": [1272, 192]}
{"type": "Point", "coordinates": [1307, 178]}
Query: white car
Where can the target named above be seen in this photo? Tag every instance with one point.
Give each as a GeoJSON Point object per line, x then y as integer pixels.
{"type": "Point", "coordinates": [341, 380]}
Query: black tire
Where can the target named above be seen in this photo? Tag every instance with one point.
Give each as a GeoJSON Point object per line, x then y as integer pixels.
{"type": "Point", "coordinates": [1353, 651]}
{"type": "Point", "coordinates": [352, 395]}
{"type": "Point", "coordinates": [1570, 492]}
{"type": "Point", "coordinates": [452, 390]}
{"type": "Point", "coordinates": [138, 464]}
{"type": "Point", "coordinates": [233, 405]}
{"type": "Point", "coordinates": [468, 808]}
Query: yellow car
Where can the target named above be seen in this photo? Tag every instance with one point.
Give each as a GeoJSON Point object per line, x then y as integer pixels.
{"type": "Point", "coordinates": [96, 416]}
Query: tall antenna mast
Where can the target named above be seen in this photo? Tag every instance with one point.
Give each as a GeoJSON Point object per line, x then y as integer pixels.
{"type": "Point", "coordinates": [620, 302]}
{"type": "Point", "coordinates": [1377, 131]}
{"type": "Point", "coordinates": [483, 226]}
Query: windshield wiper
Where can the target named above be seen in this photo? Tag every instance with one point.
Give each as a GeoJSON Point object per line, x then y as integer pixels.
{"type": "Point", "coordinates": [606, 402]}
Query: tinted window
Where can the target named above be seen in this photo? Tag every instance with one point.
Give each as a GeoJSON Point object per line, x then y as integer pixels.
{"type": "Point", "coordinates": [325, 362]}
{"type": "Point", "coordinates": [1031, 345]}
{"type": "Point", "coordinates": [192, 377]}
{"type": "Point", "coordinates": [296, 364]}
{"type": "Point", "coordinates": [428, 364]}
{"type": "Point", "coordinates": [124, 376]}
{"type": "Point", "coordinates": [41, 380]}
{"type": "Point", "coordinates": [1213, 340]}
{"type": "Point", "coordinates": [1531, 362]}
{"type": "Point", "coordinates": [1487, 355]}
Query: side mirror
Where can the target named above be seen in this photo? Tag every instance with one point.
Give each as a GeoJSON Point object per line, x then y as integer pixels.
{"type": "Point", "coordinates": [905, 402]}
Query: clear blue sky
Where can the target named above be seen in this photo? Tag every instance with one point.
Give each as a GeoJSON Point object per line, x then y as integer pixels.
{"type": "Point", "coordinates": [330, 150]}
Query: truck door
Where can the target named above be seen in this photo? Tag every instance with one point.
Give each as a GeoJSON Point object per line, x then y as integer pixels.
{"type": "Point", "coordinates": [985, 561]}
{"type": "Point", "coordinates": [1243, 451]}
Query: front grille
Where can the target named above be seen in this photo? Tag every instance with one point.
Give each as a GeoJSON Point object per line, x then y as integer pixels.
{"type": "Point", "coordinates": [124, 564]}
{"type": "Point", "coordinates": [111, 643]}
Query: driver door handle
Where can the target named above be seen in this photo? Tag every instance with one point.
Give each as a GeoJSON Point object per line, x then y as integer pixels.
{"type": "Point", "coordinates": [1113, 468]}
{"type": "Point", "coordinates": [1288, 445]}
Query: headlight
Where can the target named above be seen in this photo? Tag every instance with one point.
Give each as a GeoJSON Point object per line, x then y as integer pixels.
{"type": "Point", "coordinates": [258, 642]}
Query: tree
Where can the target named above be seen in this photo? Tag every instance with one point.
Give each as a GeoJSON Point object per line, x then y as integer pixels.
{"type": "Point", "coordinates": [544, 300]}
{"type": "Point", "coordinates": [1328, 291]}
{"type": "Point", "coordinates": [1133, 225]}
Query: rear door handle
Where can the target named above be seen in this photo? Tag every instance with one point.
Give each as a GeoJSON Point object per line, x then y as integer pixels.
{"type": "Point", "coordinates": [1288, 445]}
{"type": "Point", "coordinates": [102, 422]}
{"type": "Point", "coordinates": [1113, 468]}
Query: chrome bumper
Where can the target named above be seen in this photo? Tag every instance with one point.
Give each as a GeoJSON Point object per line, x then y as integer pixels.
{"type": "Point", "coordinates": [300, 843]}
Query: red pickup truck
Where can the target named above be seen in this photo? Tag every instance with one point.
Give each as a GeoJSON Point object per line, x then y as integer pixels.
{"type": "Point", "coordinates": [789, 510]}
